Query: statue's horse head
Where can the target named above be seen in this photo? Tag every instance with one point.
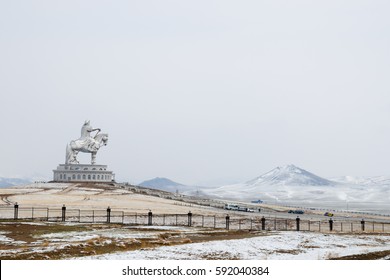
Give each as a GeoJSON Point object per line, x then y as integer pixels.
{"type": "Point", "coordinates": [102, 138]}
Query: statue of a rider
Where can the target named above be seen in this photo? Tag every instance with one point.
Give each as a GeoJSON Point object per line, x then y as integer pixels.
{"type": "Point", "coordinates": [86, 144]}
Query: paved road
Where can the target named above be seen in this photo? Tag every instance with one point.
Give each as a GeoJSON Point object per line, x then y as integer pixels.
{"type": "Point", "coordinates": [338, 216]}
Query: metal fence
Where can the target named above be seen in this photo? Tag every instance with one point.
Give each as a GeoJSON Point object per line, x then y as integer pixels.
{"type": "Point", "coordinates": [62, 214]}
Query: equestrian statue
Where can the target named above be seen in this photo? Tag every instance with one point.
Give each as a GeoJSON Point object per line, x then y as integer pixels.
{"type": "Point", "coordinates": [86, 144]}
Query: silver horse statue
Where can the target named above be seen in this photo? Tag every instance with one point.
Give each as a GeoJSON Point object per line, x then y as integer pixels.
{"type": "Point", "coordinates": [86, 144]}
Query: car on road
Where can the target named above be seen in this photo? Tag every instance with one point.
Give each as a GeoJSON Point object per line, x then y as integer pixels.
{"type": "Point", "coordinates": [299, 212]}
{"type": "Point", "coordinates": [242, 208]}
{"type": "Point", "coordinates": [236, 207]}
{"type": "Point", "coordinates": [231, 207]}
{"type": "Point", "coordinates": [328, 214]}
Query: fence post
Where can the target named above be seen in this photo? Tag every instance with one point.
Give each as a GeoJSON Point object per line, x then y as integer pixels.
{"type": "Point", "coordinates": [63, 213]}
{"type": "Point", "coordinates": [215, 222]}
{"type": "Point", "coordinates": [176, 219]}
{"type": "Point", "coordinates": [32, 213]}
{"type": "Point", "coordinates": [298, 222]}
{"type": "Point", "coordinates": [227, 222]}
{"type": "Point", "coordinates": [108, 214]}
{"type": "Point", "coordinates": [202, 221]}
{"type": "Point", "coordinates": [286, 225]}
{"type": "Point", "coordinates": [47, 214]}
{"type": "Point", "coordinates": [330, 224]}
{"type": "Point", "coordinates": [164, 219]}
{"type": "Point", "coordinates": [263, 223]}
{"type": "Point", "coordinates": [362, 222]}
{"type": "Point", "coordinates": [150, 218]}
{"type": "Point", "coordinates": [309, 225]}
{"type": "Point", "coordinates": [341, 226]}
{"type": "Point", "coordinates": [189, 218]}
{"type": "Point", "coordinates": [93, 216]}
{"type": "Point", "coordinates": [123, 217]}
{"type": "Point", "coordinates": [16, 211]}
{"type": "Point", "coordinates": [251, 224]}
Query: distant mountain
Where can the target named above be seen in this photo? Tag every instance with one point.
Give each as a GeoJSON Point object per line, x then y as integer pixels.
{"type": "Point", "coordinates": [295, 187]}
{"type": "Point", "coordinates": [289, 175]}
{"type": "Point", "coordinates": [9, 182]}
{"type": "Point", "coordinates": [364, 181]}
{"type": "Point", "coordinates": [163, 184]}
{"type": "Point", "coordinates": [168, 185]}
{"type": "Point", "coordinates": [283, 183]}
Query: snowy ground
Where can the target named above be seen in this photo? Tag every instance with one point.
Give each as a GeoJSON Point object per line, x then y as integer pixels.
{"type": "Point", "coordinates": [279, 246]}
{"type": "Point", "coordinates": [64, 241]}
{"type": "Point", "coordinates": [43, 240]}
{"type": "Point", "coordinates": [79, 196]}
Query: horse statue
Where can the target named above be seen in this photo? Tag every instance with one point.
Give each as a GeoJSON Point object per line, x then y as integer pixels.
{"type": "Point", "coordinates": [86, 144]}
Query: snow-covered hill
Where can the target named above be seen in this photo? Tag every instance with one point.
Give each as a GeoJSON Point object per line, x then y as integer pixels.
{"type": "Point", "coordinates": [289, 175]}
{"type": "Point", "coordinates": [9, 182]}
{"type": "Point", "coordinates": [281, 183]}
{"type": "Point", "coordinates": [364, 181]}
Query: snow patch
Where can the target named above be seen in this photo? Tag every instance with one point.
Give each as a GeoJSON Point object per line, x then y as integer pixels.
{"type": "Point", "coordinates": [282, 246]}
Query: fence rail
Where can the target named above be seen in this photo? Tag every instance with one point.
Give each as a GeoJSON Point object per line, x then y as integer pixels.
{"type": "Point", "coordinates": [63, 214]}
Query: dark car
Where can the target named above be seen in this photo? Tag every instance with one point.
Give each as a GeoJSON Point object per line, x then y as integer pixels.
{"type": "Point", "coordinates": [299, 212]}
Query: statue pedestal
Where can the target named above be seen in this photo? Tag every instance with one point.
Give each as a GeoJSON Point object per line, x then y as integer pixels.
{"type": "Point", "coordinates": [83, 173]}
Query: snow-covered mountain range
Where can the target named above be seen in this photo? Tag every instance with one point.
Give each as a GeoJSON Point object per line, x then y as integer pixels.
{"type": "Point", "coordinates": [9, 182]}
{"type": "Point", "coordinates": [291, 185]}
{"type": "Point", "coordinates": [364, 181]}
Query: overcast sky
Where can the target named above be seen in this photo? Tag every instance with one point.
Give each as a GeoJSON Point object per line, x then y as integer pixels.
{"type": "Point", "coordinates": [202, 92]}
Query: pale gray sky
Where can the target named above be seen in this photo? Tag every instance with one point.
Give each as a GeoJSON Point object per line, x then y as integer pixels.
{"type": "Point", "coordinates": [202, 92]}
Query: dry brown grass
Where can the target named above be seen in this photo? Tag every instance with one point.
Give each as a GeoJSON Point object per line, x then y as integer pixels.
{"type": "Point", "coordinates": [31, 241]}
{"type": "Point", "coordinates": [291, 252]}
{"type": "Point", "coordinates": [367, 256]}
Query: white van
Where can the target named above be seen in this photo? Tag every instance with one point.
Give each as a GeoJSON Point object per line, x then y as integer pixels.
{"type": "Point", "coordinates": [231, 207]}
